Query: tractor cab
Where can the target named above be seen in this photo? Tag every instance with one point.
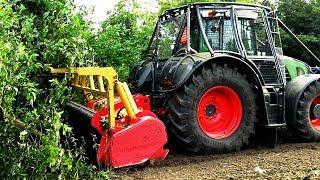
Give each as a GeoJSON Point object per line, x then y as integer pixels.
{"type": "Point", "coordinates": [247, 31]}
{"type": "Point", "coordinates": [217, 27]}
{"type": "Point", "coordinates": [200, 32]}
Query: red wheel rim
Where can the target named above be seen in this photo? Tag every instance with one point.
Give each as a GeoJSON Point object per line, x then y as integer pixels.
{"type": "Point", "coordinates": [315, 122]}
{"type": "Point", "coordinates": [219, 112]}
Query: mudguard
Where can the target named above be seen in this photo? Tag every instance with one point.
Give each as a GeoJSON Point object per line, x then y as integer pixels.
{"type": "Point", "coordinates": [293, 92]}
{"type": "Point", "coordinates": [140, 73]}
{"type": "Point", "coordinates": [179, 70]}
{"type": "Point", "coordinates": [175, 71]}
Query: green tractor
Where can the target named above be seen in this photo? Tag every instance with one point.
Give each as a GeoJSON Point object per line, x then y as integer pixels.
{"type": "Point", "coordinates": [216, 76]}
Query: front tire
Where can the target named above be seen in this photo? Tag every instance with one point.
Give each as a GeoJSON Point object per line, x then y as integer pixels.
{"type": "Point", "coordinates": [214, 111]}
{"type": "Point", "coordinates": [307, 123]}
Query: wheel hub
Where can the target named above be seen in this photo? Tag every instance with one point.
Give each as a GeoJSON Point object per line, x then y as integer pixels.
{"type": "Point", "coordinates": [316, 110]}
{"type": "Point", "coordinates": [219, 112]}
{"type": "Point", "coordinates": [210, 110]}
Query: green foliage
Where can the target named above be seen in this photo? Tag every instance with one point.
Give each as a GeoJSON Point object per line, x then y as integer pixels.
{"type": "Point", "coordinates": [303, 18]}
{"type": "Point", "coordinates": [124, 35]}
{"type": "Point", "coordinates": [34, 35]}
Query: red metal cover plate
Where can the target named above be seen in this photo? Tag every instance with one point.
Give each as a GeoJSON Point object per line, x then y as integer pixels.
{"type": "Point", "coordinates": [136, 144]}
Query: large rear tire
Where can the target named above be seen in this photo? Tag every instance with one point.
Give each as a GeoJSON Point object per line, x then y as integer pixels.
{"type": "Point", "coordinates": [307, 123]}
{"type": "Point", "coordinates": [214, 111]}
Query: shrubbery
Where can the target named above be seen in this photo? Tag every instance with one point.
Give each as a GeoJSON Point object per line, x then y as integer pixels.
{"type": "Point", "coordinates": [123, 37]}
{"type": "Point", "coordinates": [34, 35]}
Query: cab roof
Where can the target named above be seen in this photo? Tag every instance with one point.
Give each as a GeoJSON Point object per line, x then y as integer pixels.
{"type": "Point", "coordinates": [216, 4]}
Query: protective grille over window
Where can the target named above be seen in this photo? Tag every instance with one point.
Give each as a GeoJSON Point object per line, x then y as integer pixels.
{"type": "Point", "coordinates": [220, 33]}
{"type": "Point", "coordinates": [218, 29]}
{"type": "Point", "coordinates": [253, 33]}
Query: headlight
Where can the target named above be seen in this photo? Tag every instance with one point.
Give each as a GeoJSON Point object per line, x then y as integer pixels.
{"type": "Point", "coordinates": [300, 71]}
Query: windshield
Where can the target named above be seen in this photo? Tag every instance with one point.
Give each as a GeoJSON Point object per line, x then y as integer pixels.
{"type": "Point", "coordinates": [166, 36]}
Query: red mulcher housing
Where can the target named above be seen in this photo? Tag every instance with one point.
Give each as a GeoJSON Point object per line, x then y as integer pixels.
{"type": "Point", "coordinates": [131, 141]}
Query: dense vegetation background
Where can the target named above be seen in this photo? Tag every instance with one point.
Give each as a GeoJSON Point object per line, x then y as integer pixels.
{"type": "Point", "coordinates": [38, 34]}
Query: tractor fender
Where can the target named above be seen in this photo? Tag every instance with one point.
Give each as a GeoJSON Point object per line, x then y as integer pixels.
{"type": "Point", "coordinates": [140, 73]}
{"type": "Point", "coordinates": [183, 73]}
{"type": "Point", "coordinates": [175, 72]}
{"type": "Point", "coordinates": [293, 92]}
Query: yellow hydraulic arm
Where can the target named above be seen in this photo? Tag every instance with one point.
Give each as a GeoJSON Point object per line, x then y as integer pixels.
{"type": "Point", "coordinates": [86, 78]}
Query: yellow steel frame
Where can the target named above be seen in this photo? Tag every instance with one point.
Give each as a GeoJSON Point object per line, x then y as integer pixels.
{"type": "Point", "coordinates": [84, 79]}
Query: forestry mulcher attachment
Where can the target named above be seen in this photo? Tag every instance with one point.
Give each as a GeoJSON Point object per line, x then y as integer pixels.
{"type": "Point", "coordinates": [216, 76]}
{"type": "Point", "coordinates": [129, 132]}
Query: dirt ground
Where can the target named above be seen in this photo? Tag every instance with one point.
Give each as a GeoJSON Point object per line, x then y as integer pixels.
{"type": "Point", "coordinates": [285, 161]}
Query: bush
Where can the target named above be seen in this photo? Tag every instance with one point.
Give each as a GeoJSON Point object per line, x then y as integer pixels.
{"type": "Point", "coordinates": [123, 37]}
{"type": "Point", "coordinates": [34, 35]}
